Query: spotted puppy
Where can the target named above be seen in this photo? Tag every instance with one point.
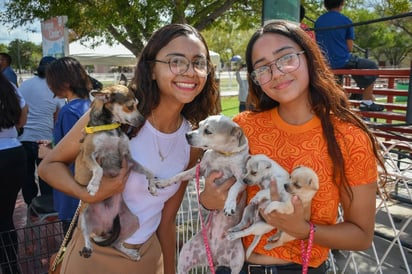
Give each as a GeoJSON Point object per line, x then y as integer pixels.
{"type": "Point", "coordinates": [226, 150]}
{"type": "Point", "coordinates": [102, 151]}
{"type": "Point", "coordinates": [262, 170]}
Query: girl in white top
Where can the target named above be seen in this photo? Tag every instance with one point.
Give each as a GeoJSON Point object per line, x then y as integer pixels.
{"type": "Point", "coordinates": [13, 115]}
{"type": "Point", "coordinates": [176, 90]}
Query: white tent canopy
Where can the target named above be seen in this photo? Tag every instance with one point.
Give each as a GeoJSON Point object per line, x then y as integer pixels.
{"type": "Point", "coordinates": [116, 55]}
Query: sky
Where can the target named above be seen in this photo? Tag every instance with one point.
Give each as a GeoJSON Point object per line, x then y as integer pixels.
{"type": "Point", "coordinates": [7, 35]}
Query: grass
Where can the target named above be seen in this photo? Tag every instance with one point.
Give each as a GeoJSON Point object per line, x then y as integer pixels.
{"type": "Point", "coordinates": [230, 105]}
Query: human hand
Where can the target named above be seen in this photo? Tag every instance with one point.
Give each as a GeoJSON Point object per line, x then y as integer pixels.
{"type": "Point", "coordinates": [293, 224]}
{"type": "Point", "coordinates": [214, 196]}
{"type": "Point", "coordinates": [45, 146]}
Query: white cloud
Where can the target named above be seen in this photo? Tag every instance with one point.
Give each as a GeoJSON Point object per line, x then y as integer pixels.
{"type": "Point", "coordinates": [33, 34]}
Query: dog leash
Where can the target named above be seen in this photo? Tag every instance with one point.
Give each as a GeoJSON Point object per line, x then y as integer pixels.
{"type": "Point", "coordinates": [202, 223]}
{"type": "Point", "coordinates": [306, 252]}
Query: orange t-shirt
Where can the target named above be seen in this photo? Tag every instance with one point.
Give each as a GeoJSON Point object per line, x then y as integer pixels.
{"type": "Point", "coordinates": [290, 146]}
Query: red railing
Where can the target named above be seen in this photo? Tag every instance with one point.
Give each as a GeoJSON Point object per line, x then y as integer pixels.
{"type": "Point", "coordinates": [385, 86]}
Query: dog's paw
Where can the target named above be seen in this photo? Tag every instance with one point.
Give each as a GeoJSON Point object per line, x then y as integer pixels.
{"type": "Point", "coordinates": [270, 246]}
{"type": "Point", "coordinates": [230, 208]}
{"type": "Point", "coordinates": [86, 252]}
{"type": "Point", "coordinates": [133, 254]}
{"type": "Point", "coordinates": [152, 189]}
{"type": "Point", "coordinates": [274, 238]}
{"type": "Point", "coordinates": [91, 189]}
{"type": "Point", "coordinates": [161, 183]}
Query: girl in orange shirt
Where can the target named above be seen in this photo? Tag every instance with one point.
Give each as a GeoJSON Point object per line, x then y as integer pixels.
{"type": "Point", "coordinates": [302, 117]}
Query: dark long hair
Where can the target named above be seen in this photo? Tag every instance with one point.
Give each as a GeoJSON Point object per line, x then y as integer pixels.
{"type": "Point", "coordinates": [10, 110]}
{"type": "Point", "coordinates": [67, 72]}
{"type": "Point", "coordinates": [325, 95]}
{"type": "Point", "coordinates": [146, 89]}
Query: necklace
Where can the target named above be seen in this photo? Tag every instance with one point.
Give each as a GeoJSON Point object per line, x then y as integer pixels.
{"type": "Point", "coordinates": [163, 155]}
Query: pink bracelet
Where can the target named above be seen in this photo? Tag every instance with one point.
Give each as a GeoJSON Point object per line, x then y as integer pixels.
{"type": "Point", "coordinates": [306, 252]}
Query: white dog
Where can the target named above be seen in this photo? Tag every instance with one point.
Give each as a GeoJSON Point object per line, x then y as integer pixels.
{"type": "Point", "coordinates": [261, 170]}
{"type": "Point", "coordinates": [226, 150]}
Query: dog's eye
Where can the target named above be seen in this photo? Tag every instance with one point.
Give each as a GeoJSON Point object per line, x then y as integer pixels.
{"type": "Point", "coordinates": [253, 173]}
{"type": "Point", "coordinates": [207, 132]}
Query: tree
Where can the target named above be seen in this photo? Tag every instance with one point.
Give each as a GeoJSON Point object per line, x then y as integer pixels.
{"type": "Point", "coordinates": [131, 23]}
{"type": "Point", "coordinates": [229, 39]}
{"type": "Point", "coordinates": [25, 55]}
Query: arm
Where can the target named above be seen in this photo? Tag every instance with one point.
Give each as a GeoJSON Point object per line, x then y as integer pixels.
{"type": "Point", "coordinates": [355, 233]}
{"type": "Point", "coordinates": [23, 116]}
{"type": "Point", "coordinates": [166, 231]}
{"type": "Point", "coordinates": [349, 43]}
{"type": "Point", "coordinates": [54, 168]}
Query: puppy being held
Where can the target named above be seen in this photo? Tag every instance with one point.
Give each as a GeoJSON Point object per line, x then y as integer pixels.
{"type": "Point", "coordinates": [262, 170]}
{"type": "Point", "coordinates": [102, 151]}
{"type": "Point", "coordinates": [226, 150]}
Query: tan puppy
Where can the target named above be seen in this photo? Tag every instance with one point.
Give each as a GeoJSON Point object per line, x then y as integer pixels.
{"type": "Point", "coordinates": [102, 151]}
{"type": "Point", "coordinates": [303, 182]}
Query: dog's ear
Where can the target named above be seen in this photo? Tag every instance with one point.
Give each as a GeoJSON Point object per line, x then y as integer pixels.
{"type": "Point", "coordinates": [102, 96]}
{"type": "Point", "coordinates": [267, 164]}
{"type": "Point", "coordinates": [238, 132]}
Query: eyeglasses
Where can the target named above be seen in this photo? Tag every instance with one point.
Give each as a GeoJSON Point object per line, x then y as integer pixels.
{"type": "Point", "coordinates": [180, 64]}
{"type": "Point", "coordinates": [286, 64]}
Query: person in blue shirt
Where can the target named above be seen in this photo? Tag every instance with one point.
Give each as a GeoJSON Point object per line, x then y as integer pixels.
{"type": "Point", "coordinates": [67, 79]}
{"type": "Point", "coordinates": [337, 45]}
{"type": "Point", "coordinates": [5, 68]}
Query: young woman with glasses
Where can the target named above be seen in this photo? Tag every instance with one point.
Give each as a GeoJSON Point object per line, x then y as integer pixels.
{"type": "Point", "coordinates": [302, 117]}
{"type": "Point", "coordinates": [175, 86]}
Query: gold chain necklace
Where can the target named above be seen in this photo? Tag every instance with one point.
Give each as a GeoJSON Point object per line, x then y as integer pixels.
{"type": "Point", "coordinates": [162, 155]}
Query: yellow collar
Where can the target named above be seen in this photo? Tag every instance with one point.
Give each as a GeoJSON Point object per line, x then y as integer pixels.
{"type": "Point", "coordinates": [94, 129]}
{"type": "Point", "coordinates": [226, 153]}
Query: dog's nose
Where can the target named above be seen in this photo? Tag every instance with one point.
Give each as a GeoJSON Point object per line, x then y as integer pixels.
{"type": "Point", "coordinates": [188, 137]}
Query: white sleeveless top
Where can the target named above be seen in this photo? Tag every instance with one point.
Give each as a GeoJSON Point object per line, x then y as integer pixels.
{"type": "Point", "coordinates": [144, 150]}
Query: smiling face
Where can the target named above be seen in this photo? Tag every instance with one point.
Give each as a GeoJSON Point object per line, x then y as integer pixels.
{"type": "Point", "coordinates": [185, 87]}
{"type": "Point", "coordinates": [285, 88]}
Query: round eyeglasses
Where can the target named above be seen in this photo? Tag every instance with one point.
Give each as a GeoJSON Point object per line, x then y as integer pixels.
{"type": "Point", "coordinates": [180, 64]}
{"type": "Point", "coordinates": [286, 64]}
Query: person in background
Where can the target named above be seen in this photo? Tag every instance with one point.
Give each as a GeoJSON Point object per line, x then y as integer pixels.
{"type": "Point", "coordinates": [302, 116]}
{"type": "Point", "coordinates": [337, 45]}
{"type": "Point", "coordinates": [241, 78]}
{"type": "Point", "coordinates": [303, 25]}
{"type": "Point", "coordinates": [123, 79]}
{"type": "Point", "coordinates": [13, 113]}
{"type": "Point", "coordinates": [175, 86]}
{"type": "Point", "coordinates": [67, 79]}
{"type": "Point", "coordinates": [5, 68]}
{"type": "Point", "coordinates": [40, 123]}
